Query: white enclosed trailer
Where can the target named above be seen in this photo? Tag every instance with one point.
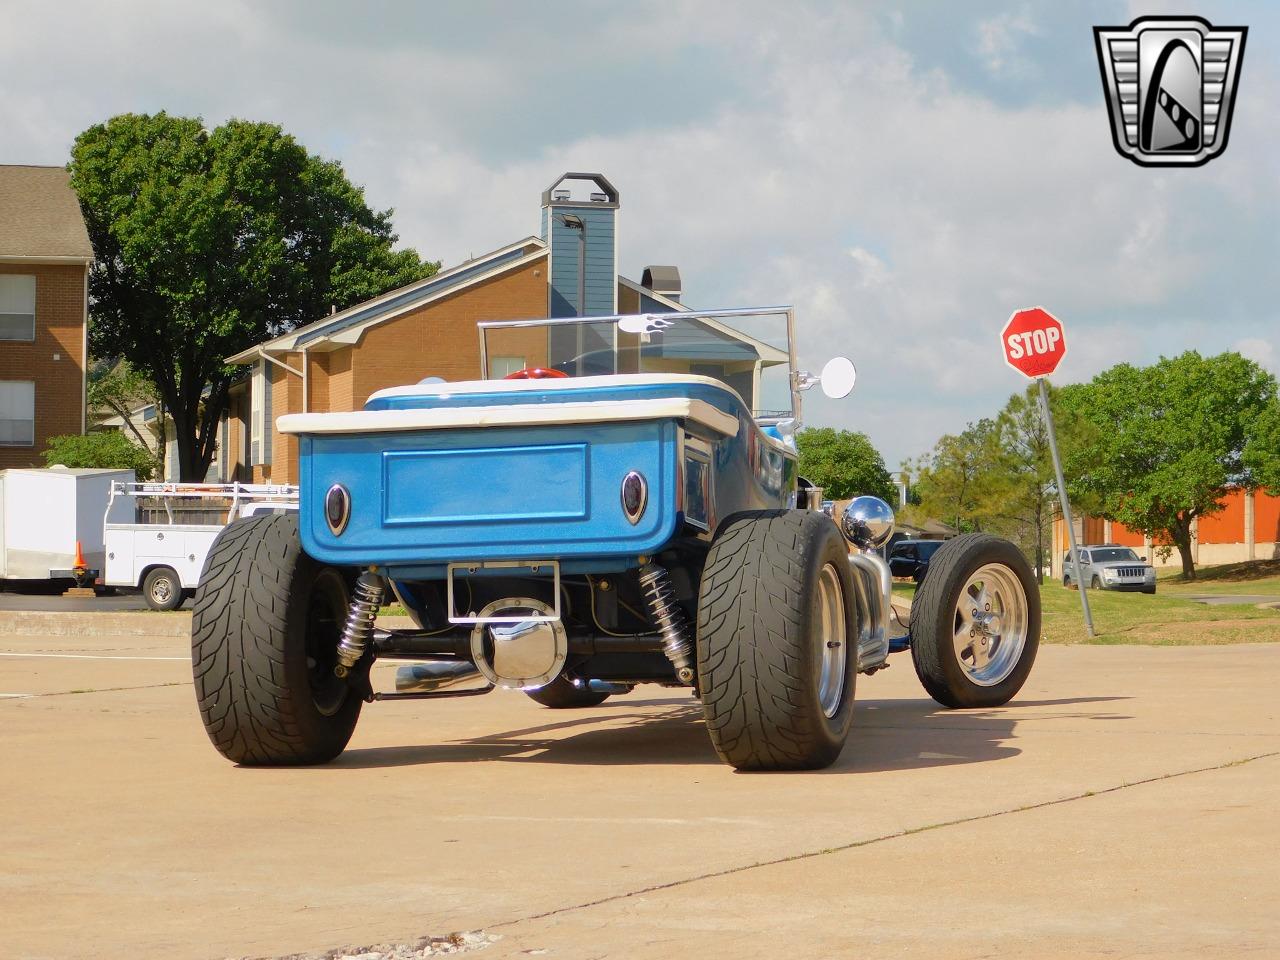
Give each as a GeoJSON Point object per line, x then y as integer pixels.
{"type": "Point", "coordinates": [45, 512]}
{"type": "Point", "coordinates": [159, 540]}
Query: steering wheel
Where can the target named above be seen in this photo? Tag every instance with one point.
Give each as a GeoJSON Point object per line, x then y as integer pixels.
{"type": "Point", "coordinates": [536, 373]}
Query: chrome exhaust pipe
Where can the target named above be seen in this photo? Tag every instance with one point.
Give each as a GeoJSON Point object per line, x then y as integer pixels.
{"type": "Point", "coordinates": [434, 675]}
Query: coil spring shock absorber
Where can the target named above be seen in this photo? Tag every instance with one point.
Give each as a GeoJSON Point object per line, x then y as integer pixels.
{"type": "Point", "coordinates": [660, 596]}
{"type": "Point", "coordinates": [358, 630]}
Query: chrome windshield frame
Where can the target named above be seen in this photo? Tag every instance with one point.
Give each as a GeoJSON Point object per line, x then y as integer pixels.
{"type": "Point", "coordinates": [789, 311]}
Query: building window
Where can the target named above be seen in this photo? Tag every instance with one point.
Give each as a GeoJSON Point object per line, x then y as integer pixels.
{"type": "Point", "coordinates": [17, 307]}
{"type": "Point", "coordinates": [500, 367]}
{"type": "Point", "coordinates": [17, 413]}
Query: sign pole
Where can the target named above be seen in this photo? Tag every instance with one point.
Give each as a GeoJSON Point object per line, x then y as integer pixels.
{"type": "Point", "coordinates": [1066, 507]}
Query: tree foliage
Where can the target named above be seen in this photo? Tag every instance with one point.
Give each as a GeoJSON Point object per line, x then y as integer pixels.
{"type": "Point", "coordinates": [843, 463]}
{"type": "Point", "coordinates": [997, 475]}
{"type": "Point", "coordinates": [116, 388]}
{"type": "Point", "coordinates": [1262, 450]}
{"type": "Point", "coordinates": [1161, 444]}
{"type": "Point", "coordinates": [207, 242]}
{"type": "Point", "coordinates": [110, 450]}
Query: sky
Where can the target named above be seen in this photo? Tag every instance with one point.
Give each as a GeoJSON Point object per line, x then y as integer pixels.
{"type": "Point", "coordinates": [907, 175]}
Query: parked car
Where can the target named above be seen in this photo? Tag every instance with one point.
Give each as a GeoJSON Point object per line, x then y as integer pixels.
{"type": "Point", "coordinates": [910, 558]}
{"type": "Point", "coordinates": [562, 536]}
{"type": "Point", "coordinates": [1107, 566]}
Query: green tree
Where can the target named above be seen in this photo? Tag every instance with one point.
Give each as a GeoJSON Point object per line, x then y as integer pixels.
{"type": "Point", "coordinates": [116, 388]}
{"type": "Point", "coordinates": [1262, 451]}
{"type": "Point", "coordinates": [1026, 497]}
{"type": "Point", "coordinates": [843, 463]}
{"type": "Point", "coordinates": [958, 481]}
{"type": "Point", "coordinates": [1163, 443]}
{"type": "Point", "coordinates": [207, 242]}
{"type": "Point", "coordinates": [110, 450]}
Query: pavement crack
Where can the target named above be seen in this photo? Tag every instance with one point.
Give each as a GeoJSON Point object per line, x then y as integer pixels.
{"type": "Point", "coordinates": [72, 693]}
{"type": "Point", "coordinates": [897, 834]}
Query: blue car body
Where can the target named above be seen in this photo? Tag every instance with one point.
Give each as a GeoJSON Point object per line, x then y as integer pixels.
{"type": "Point", "coordinates": [436, 476]}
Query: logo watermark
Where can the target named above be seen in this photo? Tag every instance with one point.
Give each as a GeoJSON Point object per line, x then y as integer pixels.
{"type": "Point", "coordinates": [1170, 84]}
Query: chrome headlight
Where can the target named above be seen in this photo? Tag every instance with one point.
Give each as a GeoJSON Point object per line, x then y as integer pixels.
{"type": "Point", "coordinates": [867, 522]}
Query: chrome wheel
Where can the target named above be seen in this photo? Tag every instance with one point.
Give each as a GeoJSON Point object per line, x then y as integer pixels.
{"type": "Point", "coordinates": [991, 622]}
{"type": "Point", "coordinates": [162, 590]}
{"type": "Point", "coordinates": [835, 649]}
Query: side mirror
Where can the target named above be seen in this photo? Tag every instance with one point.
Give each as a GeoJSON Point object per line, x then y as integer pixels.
{"type": "Point", "coordinates": [837, 379]}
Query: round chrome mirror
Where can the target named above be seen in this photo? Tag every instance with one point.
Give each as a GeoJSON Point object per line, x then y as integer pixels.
{"type": "Point", "coordinates": [867, 522]}
{"type": "Point", "coordinates": [838, 377]}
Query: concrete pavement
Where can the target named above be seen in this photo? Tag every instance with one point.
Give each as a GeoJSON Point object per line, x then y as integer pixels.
{"type": "Point", "coordinates": [1123, 806]}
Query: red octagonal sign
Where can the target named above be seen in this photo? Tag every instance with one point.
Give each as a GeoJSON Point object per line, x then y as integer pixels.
{"type": "Point", "coordinates": [1034, 343]}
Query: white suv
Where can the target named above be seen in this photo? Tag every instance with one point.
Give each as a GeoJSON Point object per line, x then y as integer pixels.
{"type": "Point", "coordinates": [1107, 566]}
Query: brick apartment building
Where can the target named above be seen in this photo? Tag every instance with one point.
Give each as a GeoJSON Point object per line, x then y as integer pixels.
{"type": "Point", "coordinates": [1247, 528]}
{"type": "Point", "coordinates": [44, 286]}
{"type": "Point", "coordinates": [428, 328]}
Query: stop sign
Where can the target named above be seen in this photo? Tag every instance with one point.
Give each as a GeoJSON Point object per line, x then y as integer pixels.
{"type": "Point", "coordinates": [1033, 342]}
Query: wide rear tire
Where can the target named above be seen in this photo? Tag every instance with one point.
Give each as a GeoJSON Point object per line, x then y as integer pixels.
{"type": "Point", "coordinates": [975, 622]}
{"type": "Point", "coordinates": [777, 643]}
{"type": "Point", "coordinates": [264, 635]}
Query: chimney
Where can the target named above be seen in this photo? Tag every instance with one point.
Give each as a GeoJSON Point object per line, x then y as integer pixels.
{"type": "Point", "coordinates": [579, 213]}
{"type": "Point", "coordinates": [663, 280]}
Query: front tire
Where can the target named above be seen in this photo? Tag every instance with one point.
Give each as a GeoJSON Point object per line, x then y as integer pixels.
{"type": "Point", "coordinates": [777, 641]}
{"type": "Point", "coordinates": [975, 623]}
{"type": "Point", "coordinates": [162, 589]}
{"type": "Point", "coordinates": [264, 637]}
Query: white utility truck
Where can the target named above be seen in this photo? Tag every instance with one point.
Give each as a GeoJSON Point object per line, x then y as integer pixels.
{"type": "Point", "coordinates": [158, 534]}
{"type": "Point", "coordinates": [46, 512]}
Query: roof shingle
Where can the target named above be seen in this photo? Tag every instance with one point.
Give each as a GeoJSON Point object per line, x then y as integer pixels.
{"type": "Point", "coordinates": [40, 215]}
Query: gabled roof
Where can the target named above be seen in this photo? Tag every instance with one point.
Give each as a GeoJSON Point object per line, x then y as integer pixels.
{"type": "Point", "coordinates": [348, 326]}
{"type": "Point", "coordinates": [40, 216]}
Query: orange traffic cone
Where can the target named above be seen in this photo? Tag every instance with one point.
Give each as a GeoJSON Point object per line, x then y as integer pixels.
{"type": "Point", "coordinates": [79, 567]}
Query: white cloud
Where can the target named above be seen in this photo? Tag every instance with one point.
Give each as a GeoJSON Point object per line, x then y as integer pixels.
{"type": "Point", "coordinates": [903, 214]}
{"type": "Point", "coordinates": [870, 269]}
{"type": "Point", "coordinates": [1262, 352]}
{"type": "Point", "coordinates": [1000, 37]}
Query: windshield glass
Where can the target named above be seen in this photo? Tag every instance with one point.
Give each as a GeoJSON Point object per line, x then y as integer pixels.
{"type": "Point", "coordinates": [1110, 555]}
{"type": "Point", "coordinates": [747, 350]}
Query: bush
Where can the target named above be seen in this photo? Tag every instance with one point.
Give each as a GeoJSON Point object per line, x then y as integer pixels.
{"type": "Point", "coordinates": [112, 451]}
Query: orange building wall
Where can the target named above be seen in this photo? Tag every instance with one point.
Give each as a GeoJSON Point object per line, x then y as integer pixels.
{"type": "Point", "coordinates": [1266, 518]}
{"type": "Point", "coordinates": [1226, 526]}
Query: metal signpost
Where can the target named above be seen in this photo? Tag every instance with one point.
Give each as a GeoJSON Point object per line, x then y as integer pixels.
{"type": "Point", "coordinates": [1034, 344]}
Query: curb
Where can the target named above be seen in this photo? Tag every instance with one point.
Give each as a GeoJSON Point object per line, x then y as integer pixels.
{"type": "Point", "coordinates": [40, 623]}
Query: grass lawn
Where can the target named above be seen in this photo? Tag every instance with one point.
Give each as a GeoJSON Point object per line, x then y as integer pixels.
{"type": "Point", "coordinates": [1256, 577]}
{"type": "Point", "coordinates": [1159, 620]}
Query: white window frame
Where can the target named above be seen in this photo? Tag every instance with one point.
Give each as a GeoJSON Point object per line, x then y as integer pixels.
{"type": "Point", "coordinates": [14, 288]}
{"type": "Point", "coordinates": [32, 385]}
{"type": "Point", "coordinates": [257, 393]}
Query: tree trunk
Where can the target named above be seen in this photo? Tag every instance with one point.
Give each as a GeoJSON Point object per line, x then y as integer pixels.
{"type": "Point", "coordinates": [1180, 532]}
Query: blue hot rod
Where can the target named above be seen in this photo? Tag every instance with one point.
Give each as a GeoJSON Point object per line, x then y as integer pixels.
{"type": "Point", "coordinates": [622, 507]}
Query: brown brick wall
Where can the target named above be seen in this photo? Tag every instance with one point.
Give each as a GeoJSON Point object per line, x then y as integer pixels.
{"type": "Point", "coordinates": [440, 339]}
{"type": "Point", "coordinates": [59, 383]}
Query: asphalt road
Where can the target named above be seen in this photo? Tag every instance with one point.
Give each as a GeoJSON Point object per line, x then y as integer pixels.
{"type": "Point", "coordinates": [1124, 806]}
{"type": "Point", "coordinates": [56, 603]}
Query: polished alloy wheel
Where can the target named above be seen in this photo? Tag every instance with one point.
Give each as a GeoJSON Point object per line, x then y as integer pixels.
{"type": "Point", "coordinates": [162, 590]}
{"type": "Point", "coordinates": [990, 624]}
{"type": "Point", "coordinates": [835, 648]}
